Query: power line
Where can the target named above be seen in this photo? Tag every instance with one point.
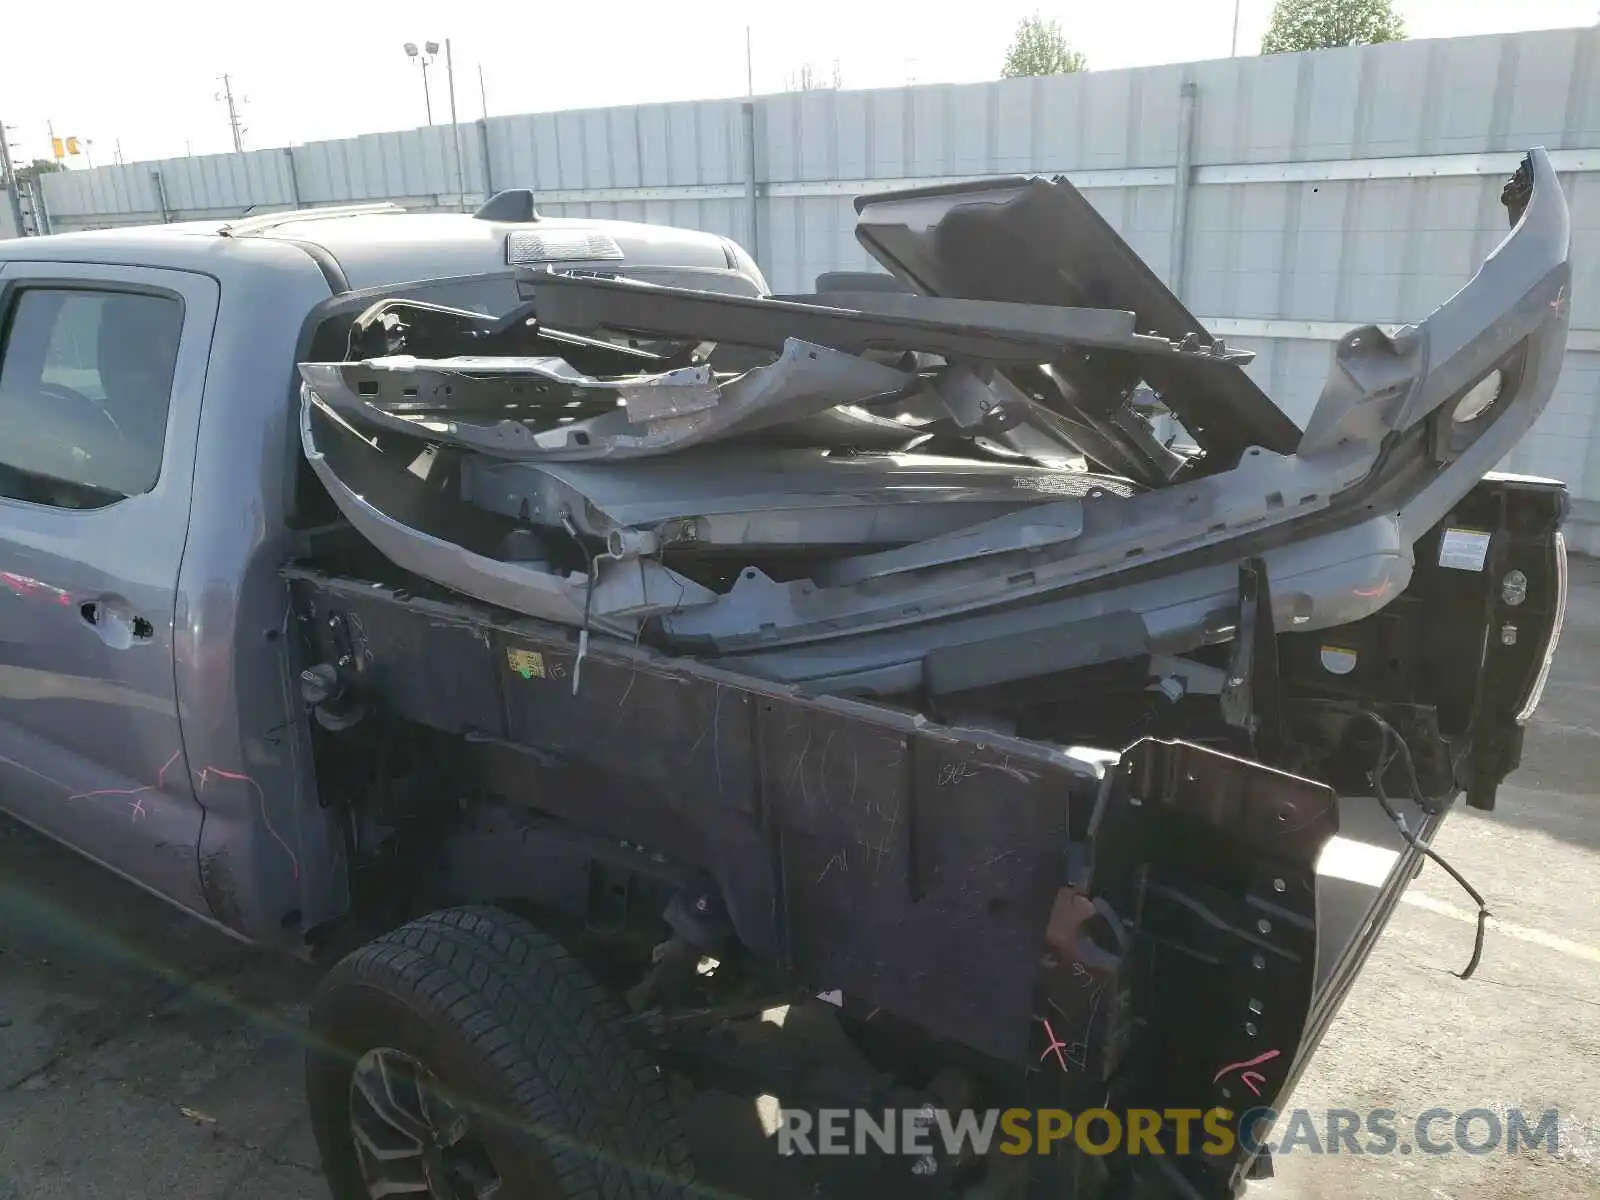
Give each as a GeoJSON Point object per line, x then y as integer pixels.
{"type": "Point", "coordinates": [455, 128]}
{"type": "Point", "coordinates": [8, 176]}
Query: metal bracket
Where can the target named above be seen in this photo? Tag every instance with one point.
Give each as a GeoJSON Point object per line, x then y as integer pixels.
{"type": "Point", "coordinates": [1252, 698]}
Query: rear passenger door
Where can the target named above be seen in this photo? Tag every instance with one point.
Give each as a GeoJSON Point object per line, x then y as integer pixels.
{"type": "Point", "coordinates": [102, 369]}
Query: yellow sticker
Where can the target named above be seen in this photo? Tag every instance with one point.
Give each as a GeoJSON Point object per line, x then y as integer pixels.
{"type": "Point", "coordinates": [527, 663]}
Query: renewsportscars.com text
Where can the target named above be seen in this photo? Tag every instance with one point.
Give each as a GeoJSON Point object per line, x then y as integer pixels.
{"type": "Point", "coordinates": [1377, 1131]}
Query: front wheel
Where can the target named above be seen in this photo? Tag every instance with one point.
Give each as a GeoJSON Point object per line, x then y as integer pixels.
{"type": "Point", "coordinates": [442, 1065]}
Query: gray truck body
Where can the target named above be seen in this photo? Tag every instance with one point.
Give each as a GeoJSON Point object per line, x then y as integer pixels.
{"type": "Point", "coordinates": [247, 666]}
{"type": "Point", "coordinates": [178, 758]}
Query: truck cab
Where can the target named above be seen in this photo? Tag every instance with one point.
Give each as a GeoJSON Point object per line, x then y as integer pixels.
{"type": "Point", "coordinates": [151, 488]}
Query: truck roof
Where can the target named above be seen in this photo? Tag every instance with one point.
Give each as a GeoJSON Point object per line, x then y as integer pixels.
{"type": "Point", "coordinates": [375, 245]}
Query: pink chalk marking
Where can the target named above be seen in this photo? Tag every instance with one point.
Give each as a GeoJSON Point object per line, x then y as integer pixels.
{"type": "Point", "coordinates": [1251, 1079]}
{"type": "Point", "coordinates": [133, 795]}
{"type": "Point", "coordinates": [206, 773]}
{"type": "Point", "coordinates": [161, 775]}
{"type": "Point", "coordinates": [1056, 1044]}
{"type": "Point", "coordinates": [111, 792]}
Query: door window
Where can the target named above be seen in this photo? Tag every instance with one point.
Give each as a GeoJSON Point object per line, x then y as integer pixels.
{"type": "Point", "coordinates": [85, 384]}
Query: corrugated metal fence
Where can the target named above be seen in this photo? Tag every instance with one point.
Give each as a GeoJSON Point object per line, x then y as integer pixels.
{"type": "Point", "coordinates": [1288, 197]}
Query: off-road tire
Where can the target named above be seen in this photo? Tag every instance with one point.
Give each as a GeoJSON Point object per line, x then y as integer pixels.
{"type": "Point", "coordinates": [628, 1081]}
{"type": "Point", "coordinates": [500, 1013]}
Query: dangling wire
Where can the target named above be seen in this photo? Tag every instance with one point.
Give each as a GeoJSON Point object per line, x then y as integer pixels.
{"type": "Point", "coordinates": [1390, 746]}
{"type": "Point", "coordinates": [571, 527]}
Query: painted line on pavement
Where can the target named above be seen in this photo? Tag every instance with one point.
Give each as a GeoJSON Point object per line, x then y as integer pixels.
{"type": "Point", "coordinates": [1522, 933]}
{"type": "Point", "coordinates": [1369, 865]}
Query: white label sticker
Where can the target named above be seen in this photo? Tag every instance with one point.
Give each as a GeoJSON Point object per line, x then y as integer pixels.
{"type": "Point", "coordinates": [1338, 661]}
{"type": "Point", "coordinates": [1464, 549]}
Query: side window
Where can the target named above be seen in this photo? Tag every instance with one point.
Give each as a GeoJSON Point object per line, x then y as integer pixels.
{"type": "Point", "coordinates": [85, 385]}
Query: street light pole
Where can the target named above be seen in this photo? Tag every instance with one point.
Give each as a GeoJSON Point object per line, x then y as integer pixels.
{"type": "Point", "coordinates": [422, 58]}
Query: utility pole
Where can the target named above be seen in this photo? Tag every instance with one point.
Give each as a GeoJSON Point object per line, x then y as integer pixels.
{"type": "Point", "coordinates": [483, 93]}
{"type": "Point", "coordinates": [235, 126]}
{"type": "Point", "coordinates": [1235, 51]}
{"type": "Point", "coordinates": [119, 151]}
{"type": "Point", "coordinates": [455, 129]}
{"type": "Point", "coordinates": [8, 176]}
{"type": "Point", "coordinates": [749, 66]}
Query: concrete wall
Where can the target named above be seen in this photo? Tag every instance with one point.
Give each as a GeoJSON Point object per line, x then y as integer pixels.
{"type": "Point", "coordinates": [1326, 190]}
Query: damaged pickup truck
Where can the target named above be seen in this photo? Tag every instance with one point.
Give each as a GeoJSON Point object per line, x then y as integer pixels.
{"type": "Point", "coordinates": [626, 650]}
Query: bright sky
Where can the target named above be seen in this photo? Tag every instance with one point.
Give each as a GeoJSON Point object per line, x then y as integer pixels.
{"type": "Point", "coordinates": [147, 73]}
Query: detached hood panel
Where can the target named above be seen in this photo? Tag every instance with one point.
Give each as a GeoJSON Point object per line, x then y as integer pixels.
{"type": "Point", "coordinates": [1031, 241]}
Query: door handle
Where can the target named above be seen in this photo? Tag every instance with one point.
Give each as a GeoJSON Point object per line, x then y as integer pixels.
{"type": "Point", "coordinates": [116, 625]}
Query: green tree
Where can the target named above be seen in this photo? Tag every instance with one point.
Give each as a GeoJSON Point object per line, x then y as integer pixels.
{"type": "Point", "coordinates": [1324, 24]}
{"type": "Point", "coordinates": [1040, 48]}
{"type": "Point", "coordinates": [38, 167]}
